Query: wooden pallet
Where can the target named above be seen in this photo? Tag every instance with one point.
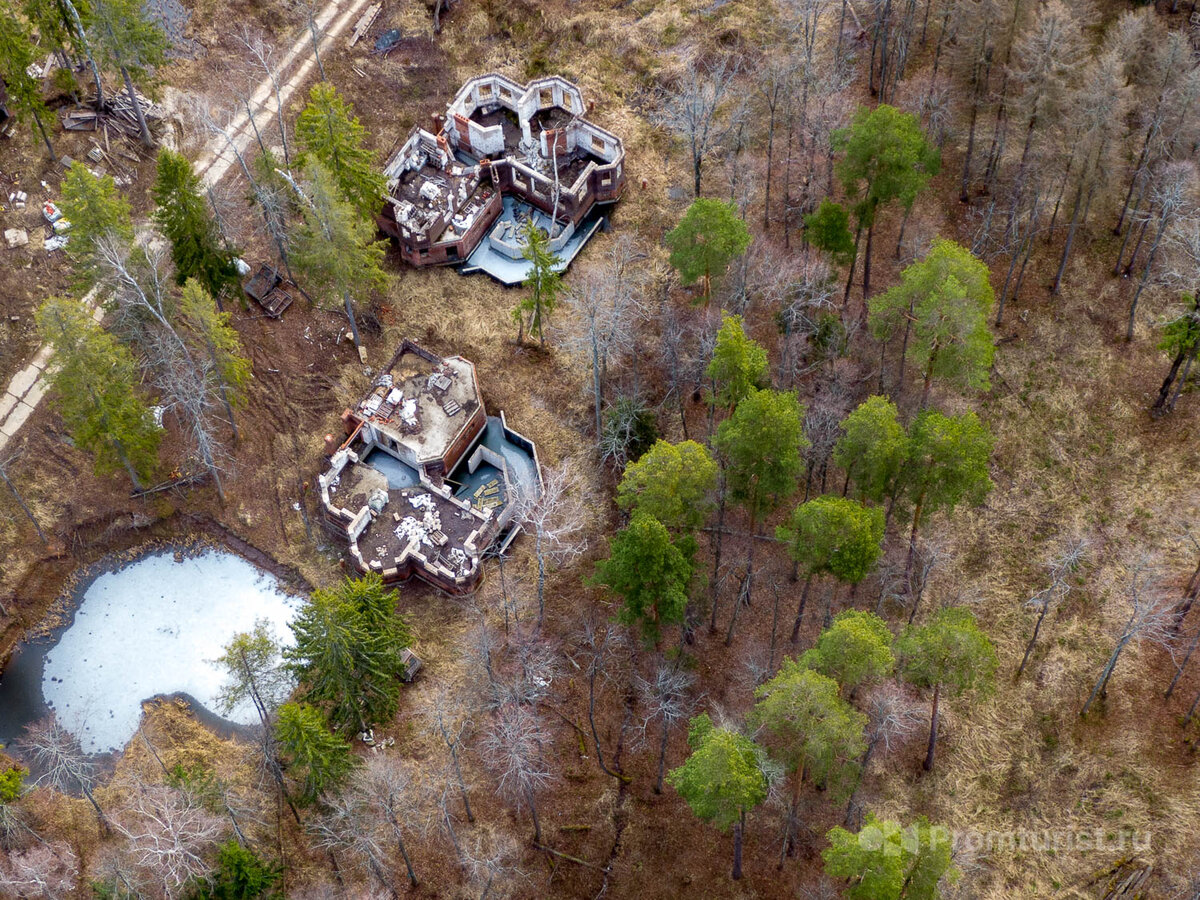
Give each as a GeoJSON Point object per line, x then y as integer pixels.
{"type": "Point", "coordinates": [365, 21]}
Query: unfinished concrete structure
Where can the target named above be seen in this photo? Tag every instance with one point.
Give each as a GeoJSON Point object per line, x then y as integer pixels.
{"type": "Point", "coordinates": [425, 481]}
{"type": "Point", "coordinates": [504, 154]}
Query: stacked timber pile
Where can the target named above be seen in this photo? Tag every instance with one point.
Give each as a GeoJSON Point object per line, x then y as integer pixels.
{"type": "Point", "coordinates": [116, 117]}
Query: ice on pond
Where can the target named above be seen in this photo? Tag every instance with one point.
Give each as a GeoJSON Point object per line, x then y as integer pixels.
{"type": "Point", "coordinates": [156, 627]}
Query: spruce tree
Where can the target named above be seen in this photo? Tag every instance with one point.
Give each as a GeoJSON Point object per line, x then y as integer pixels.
{"type": "Point", "coordinates": [316, 758]}
{"type": "Point", "coordinates": [544, 283]}
{"type": "Point", "coordinates": [330, 133]}
{"type": "Point", "coordinates": [217, 341]}
{"type": "Point", "coordinates": [96, 383]}
{"type": "Point", "coordinates": [129, 40]}
{"type": "Point", "coordinates": [98, 215]}
{"type": "Point", "coordinates": [183, 215]}
{"type": "Point", "coordinates": [347, 654]}
{"type": "Point", "coordinates": [24, 92]}
{"type": "Point", "coordinates": [335, 250]}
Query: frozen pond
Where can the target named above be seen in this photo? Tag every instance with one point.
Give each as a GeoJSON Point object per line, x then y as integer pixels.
{"type": "Point", "coordinates": [153, 627]}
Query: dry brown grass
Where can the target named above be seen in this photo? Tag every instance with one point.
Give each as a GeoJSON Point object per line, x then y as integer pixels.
{"type": "Point", "coordinates": [1076, 453]}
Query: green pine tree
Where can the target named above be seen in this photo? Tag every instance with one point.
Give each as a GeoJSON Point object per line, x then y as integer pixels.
{"type": "Point", "coordinates": [738, 364]}
{"type": "Point", "coordinates": [96, 382]}
{"type": "Point", "coordinates": [944, 302]}
{"type": "Point", "coordinates": [673, 483]}
{"type": "Point", "coordinates": [760, 448]}
{"type": "Point", "coordinates": [886, 862]}
{"type": "Point", "coordinates": [828, 229]}
{"type": "Point", "coordinates": [950, 652]}
{"type": "Point", "coordinates": [947, 465]}
{"type": "Point", "coordinates": [885, 159]}
{"type": "Point", "coordinates": [872, 449]}
{"type": "Point", "coordinates": [183, 215]}
{"type": "Point", "coordinates": [855, 649]}
{"type": "Point", "coordinates": [329, 132]}
{"type": "Point", "coordinates": [722, 779]}
{"type": "Point", "coordinates": [817, 735]}
{"type": "Point", "coordinates": [832, 536]}
{"type": "Point", "coordinates": [708, 238]}
{"type": "Point", "coordinates": [651, 572]}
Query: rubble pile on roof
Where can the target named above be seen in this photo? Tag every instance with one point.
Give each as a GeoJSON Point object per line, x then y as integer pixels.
{"type": "Point", "coordinates": [503, 151]}
{"type": "Point", "coordinates": [425, 481]}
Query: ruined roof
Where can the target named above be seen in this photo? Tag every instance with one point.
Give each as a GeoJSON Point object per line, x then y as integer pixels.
{"type": "Point", "coordinates": [422, 402]}
{"type": "Point", "coordinates": [425, 481]}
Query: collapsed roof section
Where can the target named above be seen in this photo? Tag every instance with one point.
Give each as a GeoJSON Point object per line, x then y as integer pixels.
{"type": "Point", "coordinates": [425, 481]}
{"type": "Point", "coordinates": [530, 144]}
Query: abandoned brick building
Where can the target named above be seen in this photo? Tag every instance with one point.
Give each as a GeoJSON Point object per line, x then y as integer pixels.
{"type": "Point", "coordinates": [425, 481]}
{"type": "Point", "coordinates": [503, 155]}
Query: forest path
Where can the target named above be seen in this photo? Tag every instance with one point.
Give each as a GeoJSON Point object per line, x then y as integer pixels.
{"type": "Point", "coordinates": [27, 388]}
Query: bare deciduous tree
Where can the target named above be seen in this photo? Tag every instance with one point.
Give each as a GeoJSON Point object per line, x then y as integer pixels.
{"type": "Point", "coordinates": [45, 871]}
{"type": "Point", "coordinates": [1099, 108]}
{"type": "Point", "coordinates": [170, 836]}
{"type": "Point", "coordinates": [1061, 569]}
{"type": "Point", "coordinates": [1181, 272]}
{"type": "Point", "coordinates": [447, 717]}
{"type": "Point", "coordinates": [346, 826]}
{"type": "Point", "coordinates": [665, 698]}
{"type": "Point", "coordinates": [1171, 196]}
{"type": "Point", "coordinates": [891, 716]}
{"type": "Point", "coordinates": [57, 754]}
{"type": "Point", "coordinates": [1150, 620]}
{"type": "Point", "coordinates": [141, 285]}
{"type": "Point", "coordinates": [696, 110]}
{"type": "Point", "coordinates": [515, 746]}
{"type": "Point", "coordinates": [4, 463]}
{"type": "Point", "coordinates": [493, 866]}
{"type": "Point", "coordinates": [608, 658]}
{"type": "Point", "coordinates": [262, 55]}
{"type": "Point", "coordinates": [603, 310]}
{"type": "Point", "coordinates": [388, 795]}
{"type": "Point", "coordinates": [555, 515]}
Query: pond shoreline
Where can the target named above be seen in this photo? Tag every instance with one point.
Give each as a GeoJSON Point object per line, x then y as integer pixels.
{"type": "Point", "coordinates": [29, 689]}
{"type": "Point", "coordinates": [54, 582]}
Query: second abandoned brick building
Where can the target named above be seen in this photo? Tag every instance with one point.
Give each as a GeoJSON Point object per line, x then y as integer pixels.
{"type": "Point", "coordinates": [425, 481]}
{"type": "Point", "coordinates": [504, 154]}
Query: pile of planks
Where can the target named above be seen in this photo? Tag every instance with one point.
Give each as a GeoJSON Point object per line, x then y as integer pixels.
{"type": "Point", "coordinates": [116, 117]}
{"type": "Point", "coordinates": [365, 22]}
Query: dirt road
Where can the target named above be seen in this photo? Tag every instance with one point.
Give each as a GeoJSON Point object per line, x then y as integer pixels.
{"type": "Point", "coordinates": [27, 387]}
